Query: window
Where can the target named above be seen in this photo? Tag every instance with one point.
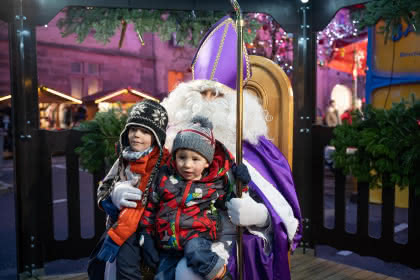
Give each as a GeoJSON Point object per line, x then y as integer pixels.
{"type": "Point", "coordinates": [76, 84]}
{"type": "Point", "coordinates": [76, 67]}
{"type": "Point", "coordinates": [93, 69]}
{"type": "Point", "coordinates": [85, 79]}
{"type": "Point", "coordinates": [93, 86]}
{"type": "Point", "coordinates": [174, 78]}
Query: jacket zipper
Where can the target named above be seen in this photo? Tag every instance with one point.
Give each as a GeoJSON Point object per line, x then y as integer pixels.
{"type": "Point", "coordinates": [178, 212]}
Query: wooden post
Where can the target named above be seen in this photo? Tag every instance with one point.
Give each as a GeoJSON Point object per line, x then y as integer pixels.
{"type": "Point", "coordinates": [25, 116]}
{"type": "Point", "coordinates": [304, 77]}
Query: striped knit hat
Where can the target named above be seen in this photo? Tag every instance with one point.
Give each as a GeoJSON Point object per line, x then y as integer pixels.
{"type": "Point", "coordinates": [197, 137]}
{"type": "Point", "coordinates": [150, 115]}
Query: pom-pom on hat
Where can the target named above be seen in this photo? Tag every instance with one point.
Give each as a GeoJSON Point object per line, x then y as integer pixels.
{"type": "Point", "coordinates": [198, 137]}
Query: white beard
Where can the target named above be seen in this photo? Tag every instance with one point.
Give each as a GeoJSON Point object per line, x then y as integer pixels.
{"type": "Point", "coordinates": [186, 102]}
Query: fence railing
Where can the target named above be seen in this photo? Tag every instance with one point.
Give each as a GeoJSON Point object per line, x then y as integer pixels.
{"type": "Point", "coordinates": [361, 242]}
{"type": "Point", "coordinates": [74, 246]}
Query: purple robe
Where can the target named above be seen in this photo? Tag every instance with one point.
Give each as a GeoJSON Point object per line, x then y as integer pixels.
{"type": "Point", "coordinates": [266, 158]}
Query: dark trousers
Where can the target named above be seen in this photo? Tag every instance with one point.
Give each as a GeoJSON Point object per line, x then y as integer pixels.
{"type": "Point", "coordinates": [128, 261]}
{"type": "Point", "coordinates": [200, 258]}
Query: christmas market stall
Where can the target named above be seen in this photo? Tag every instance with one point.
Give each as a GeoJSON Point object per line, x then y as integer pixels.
{"type": "Point", "coordinates": [5, 100]}
{"type": "Point", "coordinates": [105, 100]}
{"type": "Point", "coordinates": [55, 108]}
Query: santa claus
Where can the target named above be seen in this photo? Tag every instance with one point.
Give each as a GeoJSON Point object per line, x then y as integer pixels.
{"type": "Point", "coordinates": [273, 222]}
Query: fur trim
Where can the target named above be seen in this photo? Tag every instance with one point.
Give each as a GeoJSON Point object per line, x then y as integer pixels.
{"type": "Point", "coordinates": [185, 102]}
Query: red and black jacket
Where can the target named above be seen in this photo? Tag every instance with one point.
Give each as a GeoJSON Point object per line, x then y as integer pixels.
{"type": "Point", "coordinates": [179, 210]}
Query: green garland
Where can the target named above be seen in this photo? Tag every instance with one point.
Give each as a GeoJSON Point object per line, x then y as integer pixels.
{"type": "Point", "coordinates": [393, 12]}
{"type": "Point", "coordinates": [387, 143]}
{"type": "Point", "coordinates": [189, 27]}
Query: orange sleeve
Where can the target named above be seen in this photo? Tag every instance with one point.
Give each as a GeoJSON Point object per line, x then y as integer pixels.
{"type": "Point", "coordinates": [129, 218]}
{"type": "Point", "coordinates": [128, 221]}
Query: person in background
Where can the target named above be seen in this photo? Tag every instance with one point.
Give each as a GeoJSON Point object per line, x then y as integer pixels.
{"type": "Point", "coordinates": [79, 116]}
{"type": "Point", "coordinates": [346, 116]}
{"type": "Point", "coordinates": [6, 123]}
{"type": "Point", "coordinates": [332, 118]}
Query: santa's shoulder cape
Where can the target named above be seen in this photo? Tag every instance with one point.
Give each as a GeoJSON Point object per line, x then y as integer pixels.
{"type": "Point", "coordinates": [272, 180]}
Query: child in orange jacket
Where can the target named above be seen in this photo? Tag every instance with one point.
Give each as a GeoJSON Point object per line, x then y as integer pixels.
{"type": "Point", "coordinates": [142, 153]}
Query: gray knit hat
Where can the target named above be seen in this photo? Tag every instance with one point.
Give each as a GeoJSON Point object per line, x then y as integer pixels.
{"type": "Point", "coordinates": [198, 136]}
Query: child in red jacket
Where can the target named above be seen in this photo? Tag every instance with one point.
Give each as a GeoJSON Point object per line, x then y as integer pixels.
{"type": "Point", "coordinates": [183, 209]}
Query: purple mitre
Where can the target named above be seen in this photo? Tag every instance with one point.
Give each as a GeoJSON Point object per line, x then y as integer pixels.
{"type": "Point", "coordinates": [216, 56]}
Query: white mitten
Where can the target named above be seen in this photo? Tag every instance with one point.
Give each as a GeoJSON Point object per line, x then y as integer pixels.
{"type": "Point", "coordinates": [125, 194]}
{"type": "Point", "coordinates": [245, 211]}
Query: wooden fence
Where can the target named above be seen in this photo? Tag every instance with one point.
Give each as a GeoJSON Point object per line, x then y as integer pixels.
{"type": "Point", "coordinates": [75, 246]}
{"type": "Point", "coordinates": [361, 242]}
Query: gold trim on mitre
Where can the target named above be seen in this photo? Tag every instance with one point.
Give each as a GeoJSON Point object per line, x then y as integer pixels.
{"type": "Point", "coordinates": [225, 24]}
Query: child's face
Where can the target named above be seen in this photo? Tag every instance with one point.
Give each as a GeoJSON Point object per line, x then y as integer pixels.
{"type": "Point", "coordinates": [190, 164]}
{"type": "Point", "coordinates": [140, 138]}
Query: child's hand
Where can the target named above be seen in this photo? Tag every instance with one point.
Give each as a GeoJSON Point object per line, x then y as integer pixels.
{"type": "Point", "coordinates": [245, 211]}
{"type": "Point", "coordinates": [110, 209]}
{"type": "Point", "coordinates": [125, 194]}
{"type": "Point", "coordinates": [150, 254]}
{"type": "Point", "coordinates": [108, 251]}
{"type": "Point", "coordinates": [241, 173]}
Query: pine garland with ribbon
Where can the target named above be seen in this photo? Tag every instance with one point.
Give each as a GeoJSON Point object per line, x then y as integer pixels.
{"type": "Point", "coordinates": [189, 26]}
{"type": "Point", "coordinates": [392, 12]}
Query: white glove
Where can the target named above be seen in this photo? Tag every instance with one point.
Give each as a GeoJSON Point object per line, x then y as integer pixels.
{"type": "Point", "coordinates": [245, 211]}
{"type": "Point", "coordinates": [125, 194]}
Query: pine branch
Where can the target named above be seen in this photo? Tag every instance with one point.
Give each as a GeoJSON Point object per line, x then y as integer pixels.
{"type": "Point", "coordinates": [98, 142]}
{"type": "Point", "coordinates": [104, 22]}
{"type": "Point", "coordinates": [392, 12]}
{"type": "Point", "coordinates": [387, 143]}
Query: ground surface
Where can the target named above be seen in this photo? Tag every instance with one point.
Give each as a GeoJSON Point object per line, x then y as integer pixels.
{"type": "Point", "coordinates": [8, 238]}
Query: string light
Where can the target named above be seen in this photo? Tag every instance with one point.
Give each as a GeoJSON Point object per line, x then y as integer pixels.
{"type": "Point", "coordinates": [341, 26]}
{"type": "Point", "coordinates": [276, 44]}
{"type": "Point", "coordinates": [272, 42]}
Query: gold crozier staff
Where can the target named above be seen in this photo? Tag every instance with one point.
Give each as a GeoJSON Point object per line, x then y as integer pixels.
{"type": "Point", "coordinates": [239, 121]}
